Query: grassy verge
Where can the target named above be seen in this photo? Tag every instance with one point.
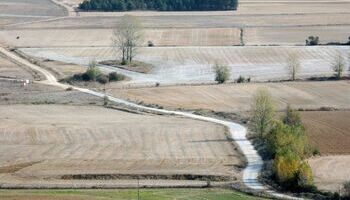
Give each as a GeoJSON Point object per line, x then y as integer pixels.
{"type": "Point", "coordinates": [121, 194]}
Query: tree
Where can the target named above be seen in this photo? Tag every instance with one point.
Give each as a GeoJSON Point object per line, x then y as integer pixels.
{"type": "Point", "coordinates": [338, 65]}
{"type": "Point", "coordinates": [262, 112]}
{"type": "Point", "coordinates": [222, 73]}
{"type": "Point", "coordinates": [293, 65]}
{"type": "Point", "coordinates": [92, 72]}
{"type": "Point", "coordinates": [127, 36]}
{"type": "Point", "coordinates": [241, 36]}
{"type": "Point", "coordinates": [292, 117]}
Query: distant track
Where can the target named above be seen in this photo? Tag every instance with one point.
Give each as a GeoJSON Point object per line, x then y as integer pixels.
{"type": "Point", "coordinates": [238, 132]}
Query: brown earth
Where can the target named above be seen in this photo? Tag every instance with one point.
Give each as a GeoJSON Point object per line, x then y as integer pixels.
{"type": "Point", "coordinates": [328, 130]}
{"type": "Point", "coordinates": [237, 97]}
{"type": "Point", "coordinates": [66, 140]}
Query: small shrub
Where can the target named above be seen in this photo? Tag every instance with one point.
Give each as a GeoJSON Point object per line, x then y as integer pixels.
{"type": "Point", "coordinates": [292, 117]}
{"type": "Point", "coordinates": [69, 89]}
{"type": "Point", "coordinates": [312, 41]}
{"type": "Point", "coordinates": [222, 73]}
{"type": "Point", "coordinates": [346, 188]}
{"type": "Point", "coordinates": [157, 84]}
{"type": "Point", "coordinates": [92, 72]}
{"type": "Point", "coordinates": [150, 44]}
{"type": "Point", "coordinates": [241, 79]}
{"type": "Point", "coordinates": [114, 76]}
{"type": "Point", "coordinates": [105, 100]}
{"type": "Point", "coordinates": [103, 79]}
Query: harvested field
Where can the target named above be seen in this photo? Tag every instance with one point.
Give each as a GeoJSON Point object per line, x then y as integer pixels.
{"type": "Point", "coordinates": [198, 21]}
{"type": "Point", "coordinates": [330, 172]}
{"type": "Point", "coordinates": [194, 64]}
{"type": "Point", "coordinates": [236, 97]}
{"type": "Point", "coordinates": [10, 70]}
{"type": "Point", "coordinates": [18, 11]}
{"type": "Point", "coordinates": [95, 140]}
{"type": "Point", "coordinates": [328, 130]}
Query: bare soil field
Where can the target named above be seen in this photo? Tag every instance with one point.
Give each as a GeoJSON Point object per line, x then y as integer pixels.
{"type": "Point", "coordinates": [329, 131]}
{"type": "Point", "coordinates": [11, 70]}
{"type": "Point", "coordinates": [47, 143]}
{"type": "Point", "coordinates": [330, 172]}
{"type": "Point", "coordinates": [194, 64]}
{"type": "Point", "coordinates": [236, 97]}
{"type": "Point", "coordinates": [17, 11]}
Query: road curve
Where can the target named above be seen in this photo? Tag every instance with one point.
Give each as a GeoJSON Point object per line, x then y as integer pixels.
{"type": "Point", "coordinates": [238, 132]}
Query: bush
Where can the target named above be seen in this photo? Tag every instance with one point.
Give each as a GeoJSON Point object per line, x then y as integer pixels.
{"type": "Point", "coordinates": [150, 44]}
{"type": "Point", "coordinates": [346, 188]}
{"type": "Point", "coordinates": [241, 79]}
{"type": "Point", "coordinates": [222, 73]}
{"type": "Point", "coordinates": [103, 79]}
{"type": "Point", "coordinates": [114, 76]}
{"type": "Point", "coordinates": [304, 176]}
{"type": "Point", "coordinates": [312, 41]}
{"type": "Point", "coordinates": [92, 72]}
{"type": "Point", "coordinates": [286, 166]}
{"type": "Point", "coordinates": [292, 117]}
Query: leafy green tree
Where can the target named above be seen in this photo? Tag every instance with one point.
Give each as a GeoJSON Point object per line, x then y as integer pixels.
{"type": "Point", "coordinates": [286, 167]}
{"type": "Point", "coordinates": [292, 117]}
{"type": "Point", "coordinates": [92, 72]}
{"type": "Point", "coordinates": [262, 112]}
{"type": "Point", "coordinates": [222, 73]}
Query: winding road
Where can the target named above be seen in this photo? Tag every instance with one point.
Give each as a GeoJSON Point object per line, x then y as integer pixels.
{"type": "Point", "coordinates": [238, 132]}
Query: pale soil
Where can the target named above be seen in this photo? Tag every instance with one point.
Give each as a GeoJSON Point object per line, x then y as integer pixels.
{"type": "Point", "coordinates": [17, 11]}
{"type": "Point", "coordinates": [9, 69]}
{"type": "Point", "coordinates": [194, 64]}
{"type": "Point", "coordinates": [330, 172]}
{"type": "Point", "coordinates": [328, 131]}
{"type": "Point", "coordinates": [94, 140]}
{"type": "Point", "coordinates": [237, 97]}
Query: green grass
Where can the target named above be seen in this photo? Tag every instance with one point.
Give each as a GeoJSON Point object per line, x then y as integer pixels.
{"type": "Point", "coordinates": [129, 194]}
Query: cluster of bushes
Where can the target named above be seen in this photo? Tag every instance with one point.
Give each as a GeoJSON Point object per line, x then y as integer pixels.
{"type": "Point", "coordinates": [288, 146]}
{"type": "Point", "coordinates": [314, 41]}
{"type": "Point", "coordinates": [159, 5]}
{"type": "Point", "coordinates": [94, 74]}
{"type": "Point", "coordinates": [286, 143]}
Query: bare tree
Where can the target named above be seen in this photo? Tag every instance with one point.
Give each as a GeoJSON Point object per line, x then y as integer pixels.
{"type": "Point", "coordinates": [127, 36]}
{"type": "Point", "coordinates": [293, 65]}
{"type": "Point", "coordinates": [338, 65]}
{"type": "Point", "coordinates": [262, 112]}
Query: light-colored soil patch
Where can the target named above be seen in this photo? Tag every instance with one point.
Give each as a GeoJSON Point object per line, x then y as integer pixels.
{"type": "Point", "coordinates": [330, 172]}
{"type": "Point", "coordinates": [93, 140]}
{"type": "Point", "coordinates": [9, 69]}
{"type": "Point", "coordinates": [236, 97]}
{"type": "Point", "coordinates": [19, 11]}
{"type": "Point", "coordinates": [328, 130]}
{"type": "Point", "coordinates": [194, 64]}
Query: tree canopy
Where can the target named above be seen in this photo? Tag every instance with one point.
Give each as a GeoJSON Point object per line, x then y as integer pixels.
{"type": "Point", "coordinates": [159, 5]}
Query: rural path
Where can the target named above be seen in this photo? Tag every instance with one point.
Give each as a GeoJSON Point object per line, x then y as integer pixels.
{"type": "Point", "coordinates": [238, 132]}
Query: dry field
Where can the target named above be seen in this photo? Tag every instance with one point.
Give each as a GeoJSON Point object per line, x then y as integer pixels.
{"type": "Point", "coordinates": [11, 70]}
{"type": "Point", "coordinates": [194, 64]}
{"type": "Point", "coordinates": [330, 172]}
{"type": "Point", "coordinates": [329, 131]}
{"type": "Point", "coordinates": [19, 11]}
{"type": "Point", "coordinates": [234, 98]}
{"type": "Point", "coordinates": [41, 143]}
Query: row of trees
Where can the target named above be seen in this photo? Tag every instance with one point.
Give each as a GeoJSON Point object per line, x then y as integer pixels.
{"type": "Point", "coordinates": [286, 143]}
{"type": "Point", "coordinates": [159, 5]}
